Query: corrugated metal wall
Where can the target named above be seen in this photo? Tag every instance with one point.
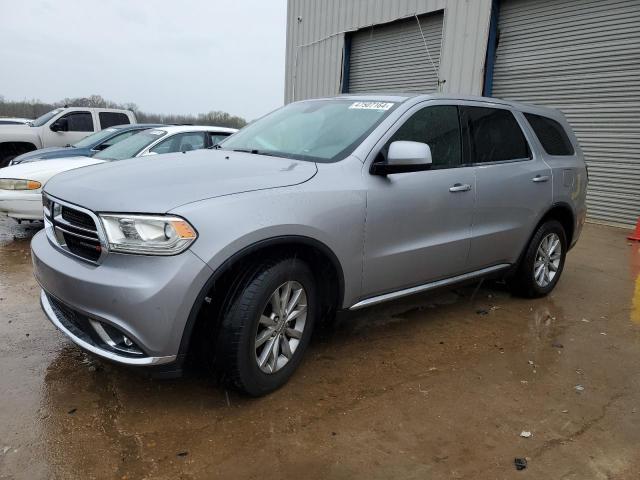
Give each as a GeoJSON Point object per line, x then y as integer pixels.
{"type": "Point", "coordinates": [315, 41]}
{"type": "Point", "coordinates": [393, 57]}
{"type": "Point", "coordinates": [583, 57]}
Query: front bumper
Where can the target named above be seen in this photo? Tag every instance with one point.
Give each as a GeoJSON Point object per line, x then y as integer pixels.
{"type": "Point", "coordinates": [22, 205]}
{"type": "Point", "coordinates": [63, 324]}
{"type": "Point", "coordinates": [147, 299]}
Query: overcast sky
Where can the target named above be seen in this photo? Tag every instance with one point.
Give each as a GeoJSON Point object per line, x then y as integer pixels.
{"type": "Point", "coordinates": [180, 56]}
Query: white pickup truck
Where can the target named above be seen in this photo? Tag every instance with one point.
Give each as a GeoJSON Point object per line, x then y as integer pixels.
{"type": "Point", "coordinates": [57, 128]}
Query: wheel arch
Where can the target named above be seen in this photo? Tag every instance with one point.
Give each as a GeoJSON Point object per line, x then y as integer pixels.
{"type": "Point", "coordinates": [563, 213]}
{"type": "Point", "coordinates": [560, 211]}
{"type": "Point", "coordinates": [12, 148]}
{"type": "Point", "coordinates": [19, 143]}
{"type": "Point", "coordinates": [226, 275]}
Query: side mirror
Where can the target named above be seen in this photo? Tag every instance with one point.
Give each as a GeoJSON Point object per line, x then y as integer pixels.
{"type": "Point", "coordinates": [403, 157]}
{"type": "Point", "coordinates": [59, 125]}
{"type": "Point", "coordinates": [146, 154]}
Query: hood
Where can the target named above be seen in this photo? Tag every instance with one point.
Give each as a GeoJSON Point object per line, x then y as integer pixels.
{"type": "Point", "coordinates": [43, 171]}
{"type": "Point", "coordinates": [159, 183]}
{"type": "Point", "coordinates": [14, 128]}
{"type": "Point", "coordinates": [51, 152]}
{"type": "Point", "coordinates": [18, 133]}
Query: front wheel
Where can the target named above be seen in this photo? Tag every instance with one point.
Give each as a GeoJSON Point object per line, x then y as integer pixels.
{"type": "Point", "coordinates": [543, 261]}
{"type": "Point", "coordinates": [267, 326]}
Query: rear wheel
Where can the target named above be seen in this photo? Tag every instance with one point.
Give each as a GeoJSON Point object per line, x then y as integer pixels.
{"type": "Point", "coordinates": [267, 325]}
{"type": "Point", "coordinates": [543, 262]}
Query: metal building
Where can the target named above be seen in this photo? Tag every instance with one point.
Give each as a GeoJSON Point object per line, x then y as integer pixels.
{"type": "Point", "coordinates": [581, 56]}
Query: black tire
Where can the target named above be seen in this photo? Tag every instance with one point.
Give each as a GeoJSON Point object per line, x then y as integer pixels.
{"type": "Point", "coordinates": [236, 349]}
{"type": "Point", "coordinates": [524, 282]}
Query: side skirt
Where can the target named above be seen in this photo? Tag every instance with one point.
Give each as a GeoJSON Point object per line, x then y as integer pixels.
{"type": "Point", "coordinates": [428, 286]}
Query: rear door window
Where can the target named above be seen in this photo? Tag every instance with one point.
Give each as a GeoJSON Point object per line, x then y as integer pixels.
{"type": "Point", "coordinates": [494, 134]}
{"type": "Point", "coordinates": [552, 136]}
{"type": "Point", "coordinates": [110, 119]}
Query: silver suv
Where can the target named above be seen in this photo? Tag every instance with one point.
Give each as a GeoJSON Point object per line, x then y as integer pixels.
{"type": "Point", "coordinates": [231, 255]}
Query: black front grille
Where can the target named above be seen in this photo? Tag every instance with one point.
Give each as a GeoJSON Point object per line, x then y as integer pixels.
{"type": "Point", "coordinates": [80, 326]}
{"type": "Point", "coordinates": [78, 218]}
{"type": "Point", "coordinates": [83, 247]}
{"type": "Point", "coordinates": [73, 321]}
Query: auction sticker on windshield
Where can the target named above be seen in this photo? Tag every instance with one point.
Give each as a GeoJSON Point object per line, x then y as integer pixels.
{"type": "Point", "coordinates": [371, 106]}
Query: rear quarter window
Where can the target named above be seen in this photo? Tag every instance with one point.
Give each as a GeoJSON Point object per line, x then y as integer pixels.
{"type": "Point", "coordinates": [110, 119]}
{"type": "Point", "coordinates": [551, 134]}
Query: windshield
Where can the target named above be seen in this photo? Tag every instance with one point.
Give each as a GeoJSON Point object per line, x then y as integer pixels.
{"type": "Point", "coordinates": [315, 130]}
{"type": "Point", "coordinates": [42, 119]}
{"type": "Point", "coordinates": [131, 146]}
{"type": "Point", "coordinates": [95, 139]}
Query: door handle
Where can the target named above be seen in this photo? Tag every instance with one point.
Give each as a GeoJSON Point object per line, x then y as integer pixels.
{"type": "Point", "coordinates": [540, 178]}
{"type": "Point", "coordinates": [459, 187]}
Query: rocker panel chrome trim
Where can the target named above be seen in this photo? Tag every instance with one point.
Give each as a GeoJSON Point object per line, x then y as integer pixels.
{"type": "Point", "coordinates": [427, 286]}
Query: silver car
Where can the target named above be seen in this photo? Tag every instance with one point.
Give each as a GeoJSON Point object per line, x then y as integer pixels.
{"type": "Point", "coordinates": [230, 255]}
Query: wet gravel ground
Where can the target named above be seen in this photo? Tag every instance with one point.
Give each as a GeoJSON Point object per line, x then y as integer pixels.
{"type": "Point", "coordinates": [437, 386]}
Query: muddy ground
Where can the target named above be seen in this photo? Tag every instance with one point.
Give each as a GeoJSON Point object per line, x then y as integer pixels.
{"type": "Point", "coordinates": [438, 386]}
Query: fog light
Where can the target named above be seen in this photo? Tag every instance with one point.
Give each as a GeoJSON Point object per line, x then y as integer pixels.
{"type": "Point", "coordinates": [115, 339]}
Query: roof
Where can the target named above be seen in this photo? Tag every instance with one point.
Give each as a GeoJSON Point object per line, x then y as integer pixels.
{"type": "Point", "coordinates": [377, 97]}
{"type": "Point", "coordinates": [137, 125]}
{"type": "Point", "coordinates": [400, 97]}
{"type": "Point", "coordinates": [416, 97]}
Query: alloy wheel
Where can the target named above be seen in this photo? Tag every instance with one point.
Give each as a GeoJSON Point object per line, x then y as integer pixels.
{"type": "Point", "coordinates": [548, 258]}
{"type": "Point", "coordinates": [280, 327]}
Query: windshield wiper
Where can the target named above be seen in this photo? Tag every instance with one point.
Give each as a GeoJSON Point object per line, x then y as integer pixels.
{"type": "Point", "coordinates": [255, 151]}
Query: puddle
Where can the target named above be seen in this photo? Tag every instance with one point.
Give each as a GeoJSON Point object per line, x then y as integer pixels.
{"type": "Point", "coordinates": [423, 387]}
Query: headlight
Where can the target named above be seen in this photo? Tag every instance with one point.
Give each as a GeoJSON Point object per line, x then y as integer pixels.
{"type": "Point", "coordinates": [148, 235]}
{"type": "Point", "coordinates": [17, 184]}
